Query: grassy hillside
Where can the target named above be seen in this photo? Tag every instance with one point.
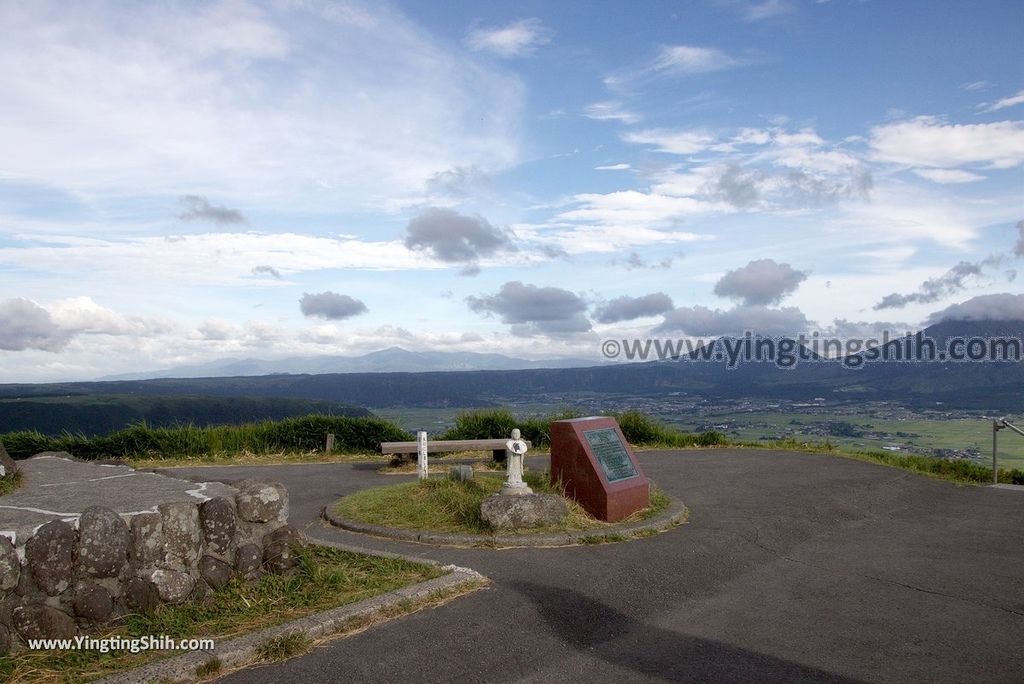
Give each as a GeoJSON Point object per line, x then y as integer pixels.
{"type": "Point", "coordinates": [100, 414]}
{"type": "Point", "coordinates": [308, 433]}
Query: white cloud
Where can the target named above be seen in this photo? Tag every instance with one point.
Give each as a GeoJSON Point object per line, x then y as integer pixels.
{"type": "Point", "coordinates": [630, 207]}
{"type": "Point", "coordinates": [517, 39]}
{"type": "Point", "coordinates": [610, 111]}
{"type": "Point", "coordinates": [756, 169]}
{"type": "Point", "coordinates": [674, 60]}
{"type": "Point", "coordinates": [671, 141]}
{"type": "Point", "coordinates": [304, 104]}
{"type": "Point", "coordinates": [612, 167]}
{"type": "Point", "coordinates": [760, 282]}
{"type": "Point", "coordinates": [83, 316]}
{"type": "Point", "coordinates": [691, 59]}
{"type": "Point", "coordinates": [703, 322]}
{"type": "Point", "coordinates": [758, 11]}
{"type": "Point", "coordinates": [928, 142]}
{"type": "Point", "coordinates": [209, 258]}
{"type": "Point", "coordinates": [1011, 101]}
{"type": "Point", "coordinates": [946, 176]}
{"type": "Point", "coordinates": [976, 85]}
{"type": "Point", "coordinates": [901, 215]}
{"type": "Point", "coordinates": [596, 239]}
{"type": "Point", "coordinates": [25, 325]}
{"type": "Point", "coordinates": [1002, 306]}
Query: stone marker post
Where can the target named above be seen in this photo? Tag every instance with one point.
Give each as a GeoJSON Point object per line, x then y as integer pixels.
{"type": "Point", "coordinates": [515, 449]}
{"type": "Point", "coordinates": [421, 454]}
{"type": "Point", "coordinates": [330, 443]}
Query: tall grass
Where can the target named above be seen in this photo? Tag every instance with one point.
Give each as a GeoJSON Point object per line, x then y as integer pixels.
{"type": "Point", "coordinates": [638, 429]}
{"type": "Point", "coordinates": [308, 433]}
{"type": "Point", "coordinates": [958, 470]}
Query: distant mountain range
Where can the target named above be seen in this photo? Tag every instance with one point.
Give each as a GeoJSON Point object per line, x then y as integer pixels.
{"type": "Point", "coordinates": [393, 360]}
{"type": "Point", "coordinates": [995, 386]}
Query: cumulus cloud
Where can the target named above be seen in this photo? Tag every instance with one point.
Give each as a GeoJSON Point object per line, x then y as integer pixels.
{"type": "Point", "coordinates": [82, 315]}
{"type": "Point", "coordinates": [928, 142]}
{"type": "Point", "coordinates": [251, 334]}
{"type": "Point", "coordinates": [531, 310]}
{"type": "Point", "coordinates": [628, 308]}
{"type": "Point", "coordinates": [932, 290]}
{"type": "Point", "coordinates": [452, 237]}
{"type": "Point", "coordinates": [266, 269]}
{"type": "Point", "coordinates": [198, 208]}
{"type": "Point", "coordinates": [780, 169]}
{"type": "Point", "coordinates": [763, 281]}
{"type": "Point", "coordinates": [994, 307]}
{"type": "Point", "coordinates": [26, 325]}
{"type": "Point", "coordinates": [460, 181]}
{"type": "Point", "coordinates": [518, 39]}
{"type": "Point", "coordinates": [331, 306]}
{"type": "Point", "coordinates": [738, 187]}
{"type": "Point", "coordinates": [704, 322]}
{"type": "Point", "coordinates": [751, 187]}
{"type": "Point", "coordinates": [813, 189]}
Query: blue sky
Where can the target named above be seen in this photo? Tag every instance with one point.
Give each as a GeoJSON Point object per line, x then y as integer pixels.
{"type": "Point", "coordinates": [182, 182]}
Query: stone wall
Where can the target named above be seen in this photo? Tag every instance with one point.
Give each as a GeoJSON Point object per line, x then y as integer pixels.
{"type": "Point", "coordinates": [74, 577]}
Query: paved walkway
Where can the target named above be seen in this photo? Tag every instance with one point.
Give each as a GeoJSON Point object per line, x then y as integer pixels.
{"type": "Point", "coordinates": [793, 567]}
{"type": "Point", "coordinates": [58, 488]}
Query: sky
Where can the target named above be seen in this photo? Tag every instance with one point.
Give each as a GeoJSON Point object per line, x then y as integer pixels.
{"type": "Point", "coordinates": [184, 182]}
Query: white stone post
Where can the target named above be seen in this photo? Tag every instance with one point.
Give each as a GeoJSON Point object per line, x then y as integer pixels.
{"type": "Point", "coordinates": [421, 454]}
{"type": "Point", "coordinates": [515, 449]}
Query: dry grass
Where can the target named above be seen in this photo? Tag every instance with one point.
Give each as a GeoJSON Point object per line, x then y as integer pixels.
{"type": "Point", "coordinates": [8, 483]}
{"type": "Point", "coordinates": [441, 468]}
{"type": "Point", "coordinates": [248, 458]}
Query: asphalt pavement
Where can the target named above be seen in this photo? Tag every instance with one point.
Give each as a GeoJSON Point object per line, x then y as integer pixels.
{"type": "Point", "coordinates": [792, 567]}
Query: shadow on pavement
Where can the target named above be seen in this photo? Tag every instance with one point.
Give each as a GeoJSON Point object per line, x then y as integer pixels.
{"type": "Point", "coordinates": [599, 630]}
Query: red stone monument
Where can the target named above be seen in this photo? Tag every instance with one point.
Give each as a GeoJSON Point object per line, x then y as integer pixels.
{"type": "Point", "coordinates": [594, 463]}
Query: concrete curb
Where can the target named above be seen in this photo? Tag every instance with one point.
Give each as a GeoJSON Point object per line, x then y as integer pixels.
{"type": "Point", "coordinates": [241, 651]}
{"type": "Point", "coordinates": [674, 515]}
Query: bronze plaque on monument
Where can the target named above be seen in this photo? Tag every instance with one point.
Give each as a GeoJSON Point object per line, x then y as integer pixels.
{"type": "Point", "coordinates": [592, 460]}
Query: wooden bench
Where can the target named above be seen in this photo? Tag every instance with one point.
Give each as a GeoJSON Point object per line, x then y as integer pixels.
{"type": "Point", "coordinates": [495, 446]}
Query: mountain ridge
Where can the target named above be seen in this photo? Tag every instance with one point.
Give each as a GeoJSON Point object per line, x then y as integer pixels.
{"type": "Point", "coordinates": [978, 385]}
{"type": "Point", "coordinates": [389, 360]}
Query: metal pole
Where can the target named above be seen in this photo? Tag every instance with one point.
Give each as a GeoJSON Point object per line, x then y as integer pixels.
{"type": "Point", "coordinates": [1004, 424]}
{"type": "Point", "coordinates": [995, 443]}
